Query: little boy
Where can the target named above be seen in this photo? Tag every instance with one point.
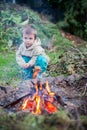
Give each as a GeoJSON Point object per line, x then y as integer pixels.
{"type": "Point", "coordinates": [31, 56]}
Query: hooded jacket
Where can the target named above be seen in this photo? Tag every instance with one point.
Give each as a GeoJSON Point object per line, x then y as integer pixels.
{"type": "Point", "coordinates": [33, 51]}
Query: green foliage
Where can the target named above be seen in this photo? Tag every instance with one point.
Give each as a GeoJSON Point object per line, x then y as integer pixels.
{"type": "Point", "coordinates": [45, 122]}
{"type": "Point", "coordinates": [85, 26]}
{"type": "Point", "coordinates": [71, 60]}
{"type": "Point", "coordinates": [74, 16]}
{"type": "Point", "coordinates": [12, 21]}
{"type": "Point", "coordinates": [27, 121]}
{"type": "Point", "coordinates": [9, 30]}
{"type": "Point", "coordinates": [60, 41]}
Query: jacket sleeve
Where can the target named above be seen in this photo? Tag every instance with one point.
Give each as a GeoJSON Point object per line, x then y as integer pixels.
{"type": "Point", "coordinates": [36, 53]}
{"type": "Point", "coordinates": [33, 60]}
{"type": "Point", "coordinates": [19, 58]}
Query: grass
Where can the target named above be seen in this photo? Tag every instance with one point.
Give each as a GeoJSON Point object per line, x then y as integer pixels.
{"type": "Point", "coordinates": [8, 68]}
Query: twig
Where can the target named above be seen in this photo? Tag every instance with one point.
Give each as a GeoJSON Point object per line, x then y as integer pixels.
{"type": "Point", "coordinates": [85, 90]}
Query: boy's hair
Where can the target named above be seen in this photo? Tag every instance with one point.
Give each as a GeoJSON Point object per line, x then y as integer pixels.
{"type": "Point", "coordinates": [29, 29]}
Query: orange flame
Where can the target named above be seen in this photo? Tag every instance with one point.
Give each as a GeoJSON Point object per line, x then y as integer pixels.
{"type": "Point", "coordinates": [49, 107]}
{"type": "Point", "coordinates": [36, 71]}
{"type": "Point", "coordinates": [47, 87]}
{"type": "Point", "coordinates": [24, 105]}
{"type": "Point", "coordinates": [27, 104]}
{"type": "Point", "coordinates": [36, 103]}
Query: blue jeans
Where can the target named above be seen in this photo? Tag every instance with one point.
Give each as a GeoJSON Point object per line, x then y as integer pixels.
{"type": "Point", "coordinates": [41, 62]}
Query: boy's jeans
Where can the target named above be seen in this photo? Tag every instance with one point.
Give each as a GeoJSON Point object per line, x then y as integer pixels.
{"type": "Point", "coordinates": [41, 62]}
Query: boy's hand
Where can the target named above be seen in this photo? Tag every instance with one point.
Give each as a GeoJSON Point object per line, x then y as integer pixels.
{"type": "Point", "coordinates": [26, 65]}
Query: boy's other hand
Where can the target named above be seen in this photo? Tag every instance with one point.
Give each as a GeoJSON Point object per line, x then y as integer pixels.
{"type": "Point", "coordinates": [26, 65]}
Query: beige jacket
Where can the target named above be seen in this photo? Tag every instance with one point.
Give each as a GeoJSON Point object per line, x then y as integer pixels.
{"type": "Point", "coordinates": [32, 52]}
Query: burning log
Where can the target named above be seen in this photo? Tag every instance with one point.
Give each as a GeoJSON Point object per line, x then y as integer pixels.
{"type": "Point", "coordinates": [42, 100]}
{"type": "Point", "coordinates": [34, 96]}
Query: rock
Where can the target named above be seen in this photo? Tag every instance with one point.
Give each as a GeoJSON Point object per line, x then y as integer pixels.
{"type": "Point", "coordinates": [72, 78]}
{"type": "Point", "coordinates": [59, 79]}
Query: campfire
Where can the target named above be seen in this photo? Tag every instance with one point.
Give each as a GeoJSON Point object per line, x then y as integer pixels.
{"type": "Point", "coordinates": [41, 99]}
{"type": "Point", "coordinates": [35, 97]}
{"type": "Point", "coordinates": [46, 95]}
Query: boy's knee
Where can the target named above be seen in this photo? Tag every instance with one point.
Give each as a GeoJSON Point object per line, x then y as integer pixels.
{"type": "Point", "coordinates": [42, 62]}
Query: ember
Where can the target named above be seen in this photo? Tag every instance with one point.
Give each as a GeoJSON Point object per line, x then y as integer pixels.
{"type": "Point", "coordinates": [41, 100]}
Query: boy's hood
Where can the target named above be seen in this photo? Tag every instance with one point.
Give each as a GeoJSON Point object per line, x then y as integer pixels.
{"type": "Point", "coordinates": [36, 43]}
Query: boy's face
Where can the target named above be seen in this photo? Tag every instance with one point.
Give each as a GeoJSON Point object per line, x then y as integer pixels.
{"type": "Point", "coordinates": [28, 39]}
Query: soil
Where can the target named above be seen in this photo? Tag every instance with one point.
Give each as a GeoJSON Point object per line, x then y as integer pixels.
{"type": "Point", "coordinates": [75, 39]}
